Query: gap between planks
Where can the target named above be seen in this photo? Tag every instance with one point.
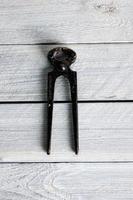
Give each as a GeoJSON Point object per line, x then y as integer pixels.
{"type": "Point", "coordinates": [69, 162]}
{"type": "Point", "coordinates": [89, 101]}
{"type": "Point", "coordinates": [67, 43]}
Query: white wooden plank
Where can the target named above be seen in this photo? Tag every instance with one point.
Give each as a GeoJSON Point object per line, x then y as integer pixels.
{"type": "Point", "coordinates": [66, 181]}
{"type": "Point", "coordinates": [69, 21]}
{"type": "Point", "coordinates": [106, 133]}
{"type": "Point", "coordinates": [104, 72]}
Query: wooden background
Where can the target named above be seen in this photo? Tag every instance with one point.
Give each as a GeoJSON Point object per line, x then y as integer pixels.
{"type": "Point", "coordinates": [101, 33]}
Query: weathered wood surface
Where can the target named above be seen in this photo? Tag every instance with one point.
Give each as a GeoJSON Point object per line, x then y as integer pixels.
{"type": "Point", "coordinates": [69, 21]}
{"type": "Point", "coordinates": [104, 72]}
{"type": "Point", "coordinates": [66, 181]}
{"type": "Point", "coordinates": [106, 133]}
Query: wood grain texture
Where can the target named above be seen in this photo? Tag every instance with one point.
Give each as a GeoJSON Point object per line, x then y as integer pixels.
{"type": "Point", "coordinates": [104, 72]}
{"type": "Point", "coordinates": [106, 133]}
{"type": "Point", "coordinates": [66, 181]}
{"type": "Point", "coordinates": [81, 21]}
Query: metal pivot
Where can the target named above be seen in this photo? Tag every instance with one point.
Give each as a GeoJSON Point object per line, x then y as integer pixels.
{"type": "Point", "coordinates": [61, 58]}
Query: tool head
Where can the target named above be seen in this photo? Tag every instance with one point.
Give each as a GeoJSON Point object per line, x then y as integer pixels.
{"type": "Point", "coordinates": [61, 58]}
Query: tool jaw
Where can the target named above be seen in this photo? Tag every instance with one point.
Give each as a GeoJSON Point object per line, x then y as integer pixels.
{"type": "Point", "coordinates": [61, 58]}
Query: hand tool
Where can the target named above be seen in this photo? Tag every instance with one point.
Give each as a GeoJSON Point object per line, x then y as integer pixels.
{"type": "Point", "coordinates": [61, 58]}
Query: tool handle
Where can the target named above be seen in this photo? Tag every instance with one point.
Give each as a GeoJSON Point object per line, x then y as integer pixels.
{"type": "Point", "coordinates": [73, 86]}
{"type": "Point", "coordinates": [51, 84]}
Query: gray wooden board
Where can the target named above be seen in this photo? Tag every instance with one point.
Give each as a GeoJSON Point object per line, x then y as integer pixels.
{"type": "Point", "coordinates": [106, 133]}
{"type": "Point", "coordinates": [66, 181]}
{"type": "Point", "coordinates": [104, 72]}
{"type": "Point", "coordinates": [79, 21]}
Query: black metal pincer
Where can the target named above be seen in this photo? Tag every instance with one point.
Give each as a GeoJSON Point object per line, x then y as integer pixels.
{"type": "Point", "coordinates": [61, 58]}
